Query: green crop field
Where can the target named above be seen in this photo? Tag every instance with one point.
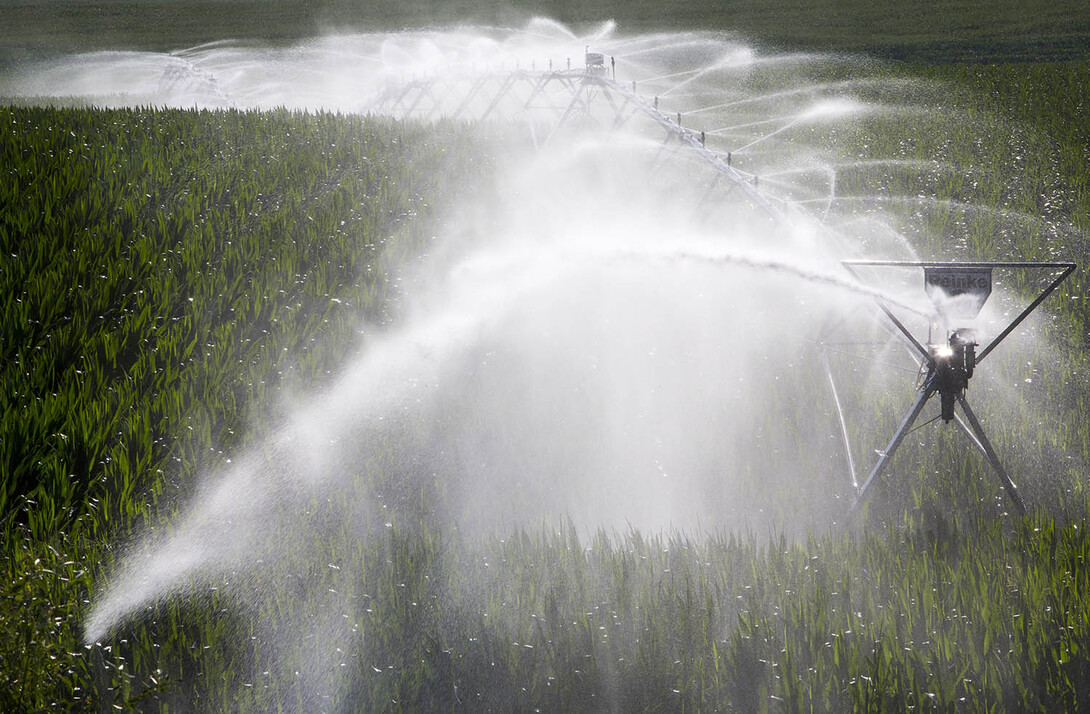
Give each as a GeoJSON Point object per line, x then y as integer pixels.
{"type": "Point", "coordinates": [169, 278]}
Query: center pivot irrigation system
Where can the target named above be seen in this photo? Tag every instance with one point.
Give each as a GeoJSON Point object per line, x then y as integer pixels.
{"type": "Point", "coordinates": [557, 98]}
{"type": "Point", "coordinates": [957, 290]}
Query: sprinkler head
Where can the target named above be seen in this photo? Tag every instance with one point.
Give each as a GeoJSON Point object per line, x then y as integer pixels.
{"type": "Point", "coordinates": [951, 367]}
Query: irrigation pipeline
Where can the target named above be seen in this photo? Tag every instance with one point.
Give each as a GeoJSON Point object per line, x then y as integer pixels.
{"type": "Point", "coordinates": [573, 93]}
{"type": "Point", "coordinates": [482, 96]}
{"type": "Point", "coordinates": [696, 143]}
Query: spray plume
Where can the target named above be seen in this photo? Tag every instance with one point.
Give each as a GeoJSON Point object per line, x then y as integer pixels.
{"type": "Point", "coordinates": [620, 344]}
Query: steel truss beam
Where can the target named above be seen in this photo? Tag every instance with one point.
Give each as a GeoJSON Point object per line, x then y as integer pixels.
{"type": "Point", "coordinates": [577, 90]}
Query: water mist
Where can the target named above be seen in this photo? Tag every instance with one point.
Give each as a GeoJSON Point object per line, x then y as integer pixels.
{"type": "Point", "coordinates": [611, 338]}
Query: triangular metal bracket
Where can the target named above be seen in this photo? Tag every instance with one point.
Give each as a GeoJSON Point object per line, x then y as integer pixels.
{"type": "Point", "coordinates": [936, 381]}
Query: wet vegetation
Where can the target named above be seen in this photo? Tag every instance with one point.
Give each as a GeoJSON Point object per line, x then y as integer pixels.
{"type": "Point", "coordinates": [166, 274]}
{"type": "Point", "coordinates": [166, 277]}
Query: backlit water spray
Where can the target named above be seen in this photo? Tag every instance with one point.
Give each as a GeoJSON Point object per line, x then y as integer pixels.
{"type": "Point", "coordinates": [612, 335]}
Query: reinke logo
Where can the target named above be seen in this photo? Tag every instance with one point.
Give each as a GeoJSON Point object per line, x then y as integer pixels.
{"type": "Point", "coordinates": [958, 281]}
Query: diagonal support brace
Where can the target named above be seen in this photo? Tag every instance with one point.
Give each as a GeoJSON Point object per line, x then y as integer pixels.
{"type": "Point", "coordinates": [986, 446]}
{"type": "Point", "coordinates": [894, 443]}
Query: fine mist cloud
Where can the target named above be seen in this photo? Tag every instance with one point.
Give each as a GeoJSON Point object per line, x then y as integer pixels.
{"type": "Point", "coordinates": [610, 338]}
{"type": "Point", "coordinates": [613, 337]}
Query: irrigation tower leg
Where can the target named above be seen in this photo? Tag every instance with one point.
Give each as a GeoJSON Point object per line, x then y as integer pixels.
{"type": "Point", "coordinates": [895, 442]}
{"type": "Point", "coordinates": [971, 434]}
{"type": "Point", "coordinates": [840, 418]}
{"type": "Point", "coordinates": [986, 445]}
{"type": "Point", "coordinates": [576, 101]}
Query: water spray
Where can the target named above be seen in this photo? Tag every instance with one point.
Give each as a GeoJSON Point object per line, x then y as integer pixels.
{"type": "Point", "coordinates": [657, 389]}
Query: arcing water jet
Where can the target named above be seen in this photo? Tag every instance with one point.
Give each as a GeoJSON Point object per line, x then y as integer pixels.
{"type": "Point", "coordinates": [613, 337]}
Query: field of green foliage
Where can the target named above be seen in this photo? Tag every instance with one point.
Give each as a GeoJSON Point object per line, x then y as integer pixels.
{"type": "Point", "coordinates": [166, 274]}
{"type": "Point", "coordinates": [166, 277]}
